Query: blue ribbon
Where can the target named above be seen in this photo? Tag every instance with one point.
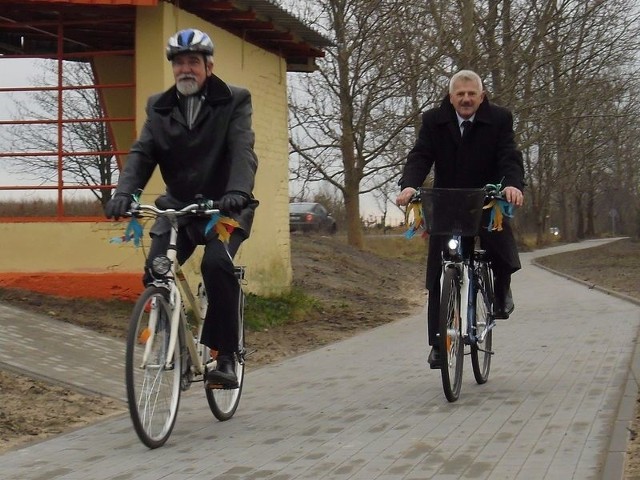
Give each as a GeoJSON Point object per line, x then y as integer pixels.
{"type": "Point", "coordinates": [214, 219]}
{"type": "Point", "coordinates": [133, 233]}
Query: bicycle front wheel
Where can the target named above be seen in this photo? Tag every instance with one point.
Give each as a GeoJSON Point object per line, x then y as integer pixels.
{"type": "Point", "coordinates": [481, 351]}
{"type": "Point", "coordinates": [450, 330]}
{"type": "Point", "coordinates": [223, 402]}
{"type": "Point", "coordinates": [152, 371]}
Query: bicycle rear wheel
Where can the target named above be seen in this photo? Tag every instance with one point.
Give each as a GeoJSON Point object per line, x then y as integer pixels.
{"type": "Point", "coordinates": [223, 402]}
{"type": "Point", "coordinates": [481, 352]}
{"type": "Point", "coordinates": [450, 338]}
{"type": "Point", "coordinates": [152, 371]}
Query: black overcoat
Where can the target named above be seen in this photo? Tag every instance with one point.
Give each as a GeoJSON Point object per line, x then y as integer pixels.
{"type": "Point", "coordinates": [488, 154]}
{"type": "Point", "coordinates": [215, 156]}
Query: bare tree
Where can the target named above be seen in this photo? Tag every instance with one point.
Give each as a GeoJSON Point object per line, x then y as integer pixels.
{"type": "Point", "coordinates": [562, 66]}
{"type": "Point", "coordinates": [557, 65]}
{"type": "Point", "coordinates": [85, 139]}
{"type": "Point", "coordinates": [352, 121]}
{"type": "Point", "coordinates": [581, 58]}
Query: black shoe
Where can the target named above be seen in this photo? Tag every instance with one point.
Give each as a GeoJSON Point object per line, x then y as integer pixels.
{"type": "Point", "coordinates": [225, 373]}
{"type": "Point", "coordinates": [434, 360]}
{"type": "Point", "coordinates": [504, 307]}
{"type": "Point", "coordinates": [187, 374]}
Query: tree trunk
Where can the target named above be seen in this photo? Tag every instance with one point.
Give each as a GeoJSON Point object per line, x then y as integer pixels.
{"type": "Point", "coordinates": [352, 207]}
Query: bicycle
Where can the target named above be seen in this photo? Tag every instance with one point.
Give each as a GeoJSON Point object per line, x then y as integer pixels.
{"type": "Point", "coordinates": [467, 316]}
{"type": "Point", "coordinates": [163, 353]}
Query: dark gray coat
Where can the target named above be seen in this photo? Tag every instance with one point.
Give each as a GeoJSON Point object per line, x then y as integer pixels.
{"type": "Point", "coordinates": [215, 156]}
{"type": "Point", "coordinates": [487, 155]}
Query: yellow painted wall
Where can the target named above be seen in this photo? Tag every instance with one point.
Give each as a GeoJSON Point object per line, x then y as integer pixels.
{"type": "Point", "coordinates": [82, 247]}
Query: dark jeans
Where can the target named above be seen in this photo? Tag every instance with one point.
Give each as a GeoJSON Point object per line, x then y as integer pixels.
{"type": "Point", "coordinates": [220, 330]}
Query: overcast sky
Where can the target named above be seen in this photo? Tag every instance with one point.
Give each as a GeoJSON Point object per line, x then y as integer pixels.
{"type": "Point", "coordinates": [15, 73]}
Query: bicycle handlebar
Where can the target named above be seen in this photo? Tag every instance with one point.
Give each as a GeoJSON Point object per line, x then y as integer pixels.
{"type": "Point", "coordinates": [139, 210]}
{"type": "Point", "coordinates": [492, 191]}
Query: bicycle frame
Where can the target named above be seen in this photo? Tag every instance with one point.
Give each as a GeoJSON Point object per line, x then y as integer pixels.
{"type": "Point", "coordinates": [455, 216]}
{"type": "Point", "coordinates": [455, 257]}
{"type": "Point", "coordinates": [487, 288]}
{"type": "Point", "coordinates": [164, 356]}
{"type": "Point", "coordinates": [179, 290]}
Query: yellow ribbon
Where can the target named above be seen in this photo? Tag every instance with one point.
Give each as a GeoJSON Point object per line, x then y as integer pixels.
{"type": "Point", "coordinates": [496, 215]}
{"type": "Point", "coordinates": [414, 209]}
{"type": "Point", "coordinates": [224, 227]}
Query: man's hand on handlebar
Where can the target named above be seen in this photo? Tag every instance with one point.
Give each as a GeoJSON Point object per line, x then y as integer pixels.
{"type": "Point", "coordinates": [234, 202]}
{"type": "Point", "coordinates": [405, 196]}
{"type": "Point", "coordinates": [118, 205]}
{"type": "Point", "coordinates": [513, 195]}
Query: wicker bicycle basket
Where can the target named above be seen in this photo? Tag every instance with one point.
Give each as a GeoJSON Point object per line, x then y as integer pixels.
{"type": "Point", "coordinates": [452, 211]}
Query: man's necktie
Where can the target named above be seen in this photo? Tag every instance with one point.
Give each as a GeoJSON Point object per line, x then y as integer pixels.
{"type": "Point", "coordinates": [466, 125]}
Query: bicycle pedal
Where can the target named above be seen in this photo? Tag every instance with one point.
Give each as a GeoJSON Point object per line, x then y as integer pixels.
{"type": "Point", "coordinates": [218, 386]}
{"type": "Point", "coordinates": [487, 351]}
{"type": "Point", "coordinates": [185, 382]}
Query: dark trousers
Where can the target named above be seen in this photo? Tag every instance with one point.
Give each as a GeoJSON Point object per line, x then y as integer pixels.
{"type": "Point", "coordinates": [501, 249]}
{"type": "Point", "coordinates": [220, 330]}
{"type": "Point", "coordinates": [502, 283]}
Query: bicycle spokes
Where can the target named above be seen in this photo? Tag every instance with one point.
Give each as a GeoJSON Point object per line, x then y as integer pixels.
{"type": "Point", "coordinates": [153, 369]}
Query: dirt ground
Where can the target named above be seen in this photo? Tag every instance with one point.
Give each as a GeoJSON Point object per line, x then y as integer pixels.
{"type": "Point", "coordinates": [357, 290]}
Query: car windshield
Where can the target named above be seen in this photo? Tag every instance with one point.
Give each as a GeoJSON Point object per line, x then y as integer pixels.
{"type": "Point", "coordinates": [300, 207]}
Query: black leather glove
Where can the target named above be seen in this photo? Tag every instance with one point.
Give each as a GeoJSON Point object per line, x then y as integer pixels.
{"type": "Point", "coordinates": [118, 205]}
{"type": "Point", "coordinates": [234, 202]}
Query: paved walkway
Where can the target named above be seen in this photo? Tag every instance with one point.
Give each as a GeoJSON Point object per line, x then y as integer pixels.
{"type": "Point", "coordinates": [561, 394]}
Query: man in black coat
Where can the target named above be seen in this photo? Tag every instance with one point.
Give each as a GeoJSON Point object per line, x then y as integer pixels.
{"type": "Point", "coordinates": [486, 154]}
{"type": "Point", "coordinates": [199, 134]}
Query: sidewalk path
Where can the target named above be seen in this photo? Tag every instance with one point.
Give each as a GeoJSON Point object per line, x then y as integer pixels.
{"type": "Point", "coordinates": [556, 406]}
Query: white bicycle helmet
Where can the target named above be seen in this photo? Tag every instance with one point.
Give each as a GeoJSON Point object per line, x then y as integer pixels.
{"type": "Point", "coordinates": [189, 40]}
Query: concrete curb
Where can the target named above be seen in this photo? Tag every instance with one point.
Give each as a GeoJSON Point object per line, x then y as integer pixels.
{"type": "Point", "coordinates": [591, 286]}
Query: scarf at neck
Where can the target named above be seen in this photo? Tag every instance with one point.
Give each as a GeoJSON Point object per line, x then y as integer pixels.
{"type": "Point", "coordinates": [190, 106]}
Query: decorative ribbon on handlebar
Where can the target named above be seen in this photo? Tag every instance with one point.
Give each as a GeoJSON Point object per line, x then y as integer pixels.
{"type": "Point", "coordinates": [132, 232]}
{"type": "Point", "coordinates": [500, 208]}
{"type": "Point", "coordinates": [414, 208]}
{"type": "Point", "coordinates": [224, 227]}
{"type": "Point", "coordinates": [134, 229]}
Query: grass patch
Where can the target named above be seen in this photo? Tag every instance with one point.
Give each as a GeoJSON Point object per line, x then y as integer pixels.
{"type": "Point", "coordinates": [39, 207]}
{"type": "Point", "coordinates": [264, 312]}
{"type": "Point", "coordinates": [397, 247]}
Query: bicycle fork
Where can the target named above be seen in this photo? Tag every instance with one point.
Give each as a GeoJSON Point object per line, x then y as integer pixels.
{"type": "Point", "coordinates": [467, 288]}
{"type": "Point", "coordinates": [474, 289]}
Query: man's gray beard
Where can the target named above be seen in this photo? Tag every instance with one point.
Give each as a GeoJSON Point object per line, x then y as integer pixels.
{"type": "Point", "coordinates": [187, 87]}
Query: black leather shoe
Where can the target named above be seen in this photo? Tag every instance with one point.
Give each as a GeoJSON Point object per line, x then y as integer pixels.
{"type": "Point", "coordinates": [224, 374]}
{"type": "Point", "coordinates": [505, 307]}
{"type": "Point", "coordinates": [435, 361]}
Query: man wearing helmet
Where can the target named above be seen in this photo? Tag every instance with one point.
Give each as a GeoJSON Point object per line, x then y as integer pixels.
{"type": "Point", "coordinates": [199, 134]}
